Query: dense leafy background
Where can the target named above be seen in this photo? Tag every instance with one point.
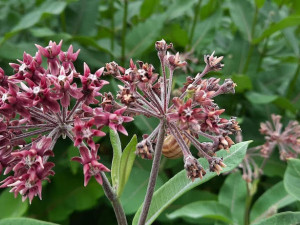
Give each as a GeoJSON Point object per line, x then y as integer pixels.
{"type": "Point", "coordinates": [260, 42]}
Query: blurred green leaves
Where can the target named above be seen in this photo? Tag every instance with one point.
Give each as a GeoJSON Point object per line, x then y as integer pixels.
{"type": "Point", "coordinates": [180, 184]}
{"type": "Point", "coordinates": [292, 178]}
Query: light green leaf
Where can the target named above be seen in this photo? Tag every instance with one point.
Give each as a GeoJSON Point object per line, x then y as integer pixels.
{"type": "Point", "coordinates": [49, 7]}
{"type": "Point", "coordinates": [24, 221]}
{"type": "Point", "coordinates": [203, 27]}
{"type": "Point", "coordinates": [142, 36]}
{"type": "Point", "coordinates": [179, 8]}
{"type": "Point", "coordinates": [127, 160]}
{"type": "Point", "coordinates": [117, 154]}
{"type": "Point", "coordinates": [233, 195]}
{"type": "Point", "coordinates": [258, 98]}
{"type": "Point", "coordinates": [243, 83]}
{"type": "Point", "coordinates": [285, 218]}
{"type": "Point", "coordinates": [180, 184]}
{"type": "Point", "coordinates": [268, 204]}
{"type": "Point", "coordinates": [203, 209]}
{"type": "Point", "coordinates": [292, 178]}
{"type": "Point", "coordinates": [11, 206]}
{"type": "Point", "coordinates": [286, 22]}
{"type": "Point", "coordinates": [259, 3]}
{"type": "Point", "coordinates": [242, 14]}
{"type": "Point", "coordinates": [135, 189]}
{"type": "Point", "coordinates": [148, 8]}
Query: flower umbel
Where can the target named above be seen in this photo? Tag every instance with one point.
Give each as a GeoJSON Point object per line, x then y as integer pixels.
{"type": "Point", "coordinates": [37, 102]}
{"type": "Point", "coordinates": [192, 114]}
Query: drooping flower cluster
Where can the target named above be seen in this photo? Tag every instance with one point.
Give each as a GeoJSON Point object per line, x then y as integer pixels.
{"type": "Point", "coordinates": [287, 140]}
{"type": "Point", "coordinates": [192, 114]}
{"type": "Point", "coordinates": [44, 104]}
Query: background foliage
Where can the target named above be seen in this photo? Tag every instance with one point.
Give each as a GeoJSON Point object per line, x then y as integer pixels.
{"type": "Point", "coordinates": [260, 42]}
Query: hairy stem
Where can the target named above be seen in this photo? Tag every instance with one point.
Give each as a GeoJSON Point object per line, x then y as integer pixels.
{"type": "Point", "coordinates": [28, 134]}
{"type": "Point", "coordinates": [153, 175]}
{"type": "Point", "coordinates": [111, 195]}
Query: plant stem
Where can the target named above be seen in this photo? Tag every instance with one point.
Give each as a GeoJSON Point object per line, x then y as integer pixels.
{"type": "Point", "coordinates": [111, 195]}
{"type": "Point", "coordinates": [153, 174]}
{"type": "Point", "coordinates": [112, 37]}
{"type": "Point", "coordinates": [194, 21]}
{"type": "Point", "coordinates": [124, 32]}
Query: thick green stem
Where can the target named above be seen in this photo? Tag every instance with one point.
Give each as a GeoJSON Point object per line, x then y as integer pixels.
{"type": "Point", "coordinates": [111, 195]}
{"type": "Point", "coordinates": [153, 175]}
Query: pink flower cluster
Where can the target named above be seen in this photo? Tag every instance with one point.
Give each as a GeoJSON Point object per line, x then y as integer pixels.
{"type": "Point", "coordinates": [287, 140]}
{"type": "Point", "coordinates": [44, 104]}
{"type": "Point", "coordinates": [194, 113]}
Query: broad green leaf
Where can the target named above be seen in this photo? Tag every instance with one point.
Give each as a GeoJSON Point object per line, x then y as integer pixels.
{"type": "Point", "coordinates": [243, 83]}
{"type": "Point", "coordinates": [179, 8]}
{"type": "Point", "coordinates": [203, 209]}
{"type": "Point", "coordinates": [13, 51]}
{"type": "Point", "coordinates": [135, 189]}
{"type": "Point", "coordinates": [180, 184]}
{"type": "Point", "coordinates": [284, 218]}
{"type": "Point", "coordinates": [242, 14]}
{"type": "Point", "coordinates": [203, 27]}
{"type": "Point", "coordinates": [259, 3]}
{"type": "Point", "coordinates": [142, 36]}
{"type": "Point", "coordinates": [24, 221]}
{"type": "Point", "coordinates": [49, 7]}
{"type": "Point", "coordinates": [127, 160]}
{"type": "Point", "coordinates": [258, 98]}
{"type": "Point", "coordinates": [11, 206]}
{"type": "Point", "coordinates": [284, 23]}
{"type": "Point", "coordinates": [284, 103]}
{"type": "Point", "coordinates": [292, 178]}
{"type": "Point", "coordinates": [66, 194]}
{"type": "Point", "coordinates": [82, 17]}
{"type": "Point", "coordinates": [269, 202]}
{"type": "Point", "coordinates": [117, 154]}
{"type": "Point", "coordinates": [148, 8]}
{"type": "Point", "coordinates": [233, 195]}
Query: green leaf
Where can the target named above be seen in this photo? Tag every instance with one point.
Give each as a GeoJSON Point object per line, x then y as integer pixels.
{"type": "Point", "coordinates": [259, 3]}
{"type": "Point", "coordinates": [269, 202]}
{"type": "Point", "coordinates": [203, 27]}
{"type": "Point", "coordinates": [142, 36]}
{"type": "Point", "coordinates": [180, 184]}
{"type": "Point", "coordinates": [145, 124]}
{"type": "Point", "coordinates": [127, 160]}
{"type": "Point", "coordinates": [49, 7]}
{"type": "Point", "coordinates": [82, 17]}
{"type": "Point", "coordinates": [286, 22]}
{"type": "Point", "coordinates": [242, 14]}
{"type": "Point", "coordinates": [233, 194]}
{"type": "Point", "coordinates": [24, 221]}
{"type": "Point", "coordinates": [243, 83]}
{"type": "Point", "coordinates": [135, 189]}
{"type": "Point", "coordinates": [203, 209]}
{"type": "Point", "coordinates": [258, 98]}
{"type": "Point", "coordinates": [11, 206]}
{"type": "Point", "coordinates": [292, 178]}
{"type": "Point", "coordinates": [66, 194]}
{"type": "Point", "coordinates": [179, 8]}
{"type": "Point", "coordinates": [285, 218]}
{"type": "Point", "coordinates": [117, 154]}
{"type": "Point", "coordinates": [148, 8]}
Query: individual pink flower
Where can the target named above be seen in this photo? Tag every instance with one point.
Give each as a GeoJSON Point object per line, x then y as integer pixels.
{"type": "Point", "coordinates": [83, 132]}
{"type": "Point", "coordinates": [91, 166]}
{"type": "Point", "coordinates": [51, 52]}
{"type": "Point", "coordinates": [67, 59]}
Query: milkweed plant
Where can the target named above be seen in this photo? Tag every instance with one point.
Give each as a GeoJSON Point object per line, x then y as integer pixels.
{"type": "Point", "coordinates": [38, 105]}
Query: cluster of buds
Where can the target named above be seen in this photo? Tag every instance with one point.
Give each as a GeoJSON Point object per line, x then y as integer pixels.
{"type": "Point", "coordinates": [287, 140]}
{"type": "Point", "coordinates": [38, 105]}
{"type": "Point", "coordinates": [194, 113]}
